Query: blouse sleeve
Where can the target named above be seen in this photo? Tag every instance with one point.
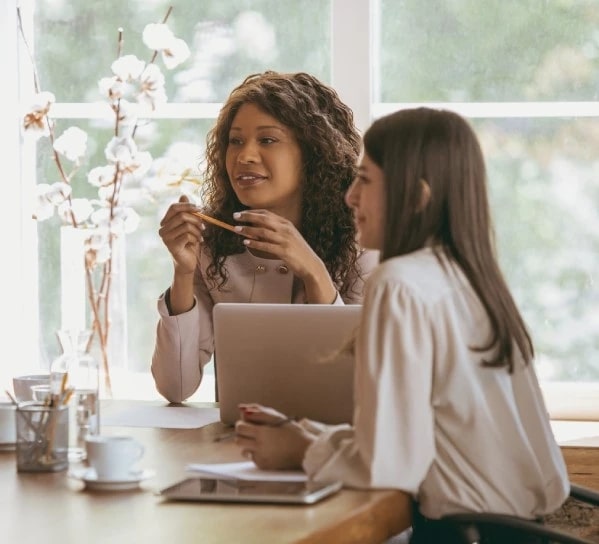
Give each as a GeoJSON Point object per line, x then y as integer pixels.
{"type": "Point", "coordinates": [391, 444]}
{"type": "Point", "coordinates": [184, 344]}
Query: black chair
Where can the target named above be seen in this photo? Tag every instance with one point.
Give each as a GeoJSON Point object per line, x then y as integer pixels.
{"type": "Point", "coordinates": [471, 525]}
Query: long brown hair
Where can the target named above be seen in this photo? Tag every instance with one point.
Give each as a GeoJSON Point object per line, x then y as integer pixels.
{"type": "Point", "coordinates": [324, 128]}
{"type": "Point", "coordinates": [441, 148]}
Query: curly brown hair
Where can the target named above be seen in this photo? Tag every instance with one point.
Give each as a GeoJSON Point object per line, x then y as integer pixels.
{"type": "Point", "coordinates": [330, 143]}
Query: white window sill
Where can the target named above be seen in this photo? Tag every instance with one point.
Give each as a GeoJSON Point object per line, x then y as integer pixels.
{"type": "Point", "coordinates": [577, 401]}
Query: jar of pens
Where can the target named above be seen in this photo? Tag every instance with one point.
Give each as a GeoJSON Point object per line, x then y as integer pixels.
{"type": "Point", "coordinates": [43, 434]}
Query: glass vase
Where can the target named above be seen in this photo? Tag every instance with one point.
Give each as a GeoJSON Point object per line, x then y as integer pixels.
{"type": "Point", "coordinates": [75, 376]}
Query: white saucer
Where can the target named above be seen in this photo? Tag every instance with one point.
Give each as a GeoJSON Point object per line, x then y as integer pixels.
{"type": "Point", "coordinates": [91, 480]}
{"type": "Point", "coordinates": [8, 446]}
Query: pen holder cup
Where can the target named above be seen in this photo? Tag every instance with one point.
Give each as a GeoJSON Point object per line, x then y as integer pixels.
{"type": "Point", "coordinates": [42, 437]}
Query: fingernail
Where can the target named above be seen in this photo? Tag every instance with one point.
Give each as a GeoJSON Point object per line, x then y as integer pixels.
{"type": "Point", "coordinates": [238, 229]}
{"type": "Point", "coordinates": [246, 242]}
{"type": "Point", "coordinates": [237, 215]}
{"type": "Point", "coordinates": [202, 226]}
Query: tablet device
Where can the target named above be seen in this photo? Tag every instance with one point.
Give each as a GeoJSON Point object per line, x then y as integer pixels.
{"type": "Point", "coordinates": [266, 491]}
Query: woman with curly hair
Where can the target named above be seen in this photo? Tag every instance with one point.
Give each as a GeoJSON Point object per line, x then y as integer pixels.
{"type": "Point", "coordinates": [278, 162]}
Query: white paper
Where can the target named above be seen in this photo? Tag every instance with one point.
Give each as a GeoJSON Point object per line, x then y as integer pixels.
{"type": "Point", "coordinates": [138, 414]}
{"type": "Point", "coordinates": [245, 470]}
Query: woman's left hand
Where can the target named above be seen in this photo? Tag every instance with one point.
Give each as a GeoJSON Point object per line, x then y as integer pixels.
{"type": "Point", "coordinates": [273, 441]}
{"type": "Point", "coordinates": [270, 233]}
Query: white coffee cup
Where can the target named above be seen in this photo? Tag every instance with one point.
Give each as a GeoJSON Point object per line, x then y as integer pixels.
{"type": "Point", "coordinates": [8, 432]}
{"type": "Point", "coordinates": [22, 385]}
{"type": "Point", "coordinates": [113, 457]}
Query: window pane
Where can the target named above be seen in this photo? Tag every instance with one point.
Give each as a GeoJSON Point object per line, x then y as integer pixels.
{"type": "Point", "coordinates": [542, 174]}
{"type": "Point", "coordinates": [542, 171]}
{"type": "Point", "coordinates": [228, 41]}
{"type": "Point", "coordinates": [508, 50]}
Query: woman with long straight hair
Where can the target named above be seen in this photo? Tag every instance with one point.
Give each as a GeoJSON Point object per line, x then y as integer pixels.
{"type": "Point", "coordinates": [448, 406]}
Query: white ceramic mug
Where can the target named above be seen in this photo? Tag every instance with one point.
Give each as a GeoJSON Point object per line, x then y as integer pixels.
{"type": "Point", "coordinates": [8, 433]}
{"type": "Point", "coordinates": [113, 457]}
{"type": "Point", "coordinates": [22, 385]}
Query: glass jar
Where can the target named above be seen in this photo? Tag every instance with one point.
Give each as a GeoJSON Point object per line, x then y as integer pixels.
{"type": "Point", "coordinates": [75, 369]}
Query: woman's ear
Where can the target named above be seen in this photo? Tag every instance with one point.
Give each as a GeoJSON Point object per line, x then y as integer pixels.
{"type": "Point", "coordinates": [425, 194]}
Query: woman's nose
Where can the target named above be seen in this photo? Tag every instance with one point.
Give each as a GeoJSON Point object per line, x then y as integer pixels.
{"type": "Point", "coordinates": [248, 154]}
{"type": "Point", "coordinates": [351, 195]}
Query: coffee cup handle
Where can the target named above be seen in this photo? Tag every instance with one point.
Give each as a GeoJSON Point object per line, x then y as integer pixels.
{"type": "Point", "coordinates": [139, 449]}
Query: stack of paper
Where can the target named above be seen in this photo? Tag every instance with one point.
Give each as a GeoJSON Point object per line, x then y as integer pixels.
{"type": "Point", "coordinates": [245, 470]}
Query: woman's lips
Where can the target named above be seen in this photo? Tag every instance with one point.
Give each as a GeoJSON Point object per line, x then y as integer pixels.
{"type": "Point", "coordinates": [249, 180]}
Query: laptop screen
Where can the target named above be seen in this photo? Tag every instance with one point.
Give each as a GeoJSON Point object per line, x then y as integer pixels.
{"type": "Point", "coordinates": [290, 357]}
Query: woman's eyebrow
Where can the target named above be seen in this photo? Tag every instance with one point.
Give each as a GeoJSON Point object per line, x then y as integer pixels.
{"type": "Point", "coordinates": [261, 127]}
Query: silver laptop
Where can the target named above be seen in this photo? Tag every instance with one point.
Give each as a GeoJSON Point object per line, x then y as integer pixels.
{"type": "Point", "coordinates": [287, 356]}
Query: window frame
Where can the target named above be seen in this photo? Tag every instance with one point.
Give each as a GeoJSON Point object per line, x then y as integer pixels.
{"type": "Point", "coordinates": [353, 49]}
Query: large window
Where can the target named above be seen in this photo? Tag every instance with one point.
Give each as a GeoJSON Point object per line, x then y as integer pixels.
{"type": "Point", "coordinates": [525, 73]}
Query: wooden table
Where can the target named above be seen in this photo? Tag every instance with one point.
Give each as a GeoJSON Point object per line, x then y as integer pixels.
{"type": "Point", "coordinates": [51, 508]}
{"type": "Point", "coordinates": [579, 441]}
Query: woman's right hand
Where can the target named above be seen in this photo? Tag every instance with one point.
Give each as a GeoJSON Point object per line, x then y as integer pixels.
{"type": "Point", "coordinates": [181, 233]}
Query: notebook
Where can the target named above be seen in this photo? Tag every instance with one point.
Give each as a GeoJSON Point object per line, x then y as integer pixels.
{"type": "Point", "coordinates": [286, 356]}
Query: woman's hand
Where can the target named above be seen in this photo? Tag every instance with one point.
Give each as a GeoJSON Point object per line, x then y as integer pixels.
{"type": "Point", "coordinates": [181, 233]}
{"type": "Point", "coordinates": [270, 233]}
{"type": "Point", "coordinates": [272, 440]}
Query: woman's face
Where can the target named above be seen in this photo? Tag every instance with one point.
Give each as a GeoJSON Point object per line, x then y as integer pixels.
{"type": "Point", "coordinates": [264, 162]}
{"type": "Point", "coordinates": [366, 198]}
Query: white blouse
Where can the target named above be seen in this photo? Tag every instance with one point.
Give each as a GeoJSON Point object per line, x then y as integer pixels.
{"type": "Point", "coordinates": [429, 419]}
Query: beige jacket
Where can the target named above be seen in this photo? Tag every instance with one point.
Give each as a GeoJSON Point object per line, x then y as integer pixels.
{"type": "Point", "coordinates": [185, 343]}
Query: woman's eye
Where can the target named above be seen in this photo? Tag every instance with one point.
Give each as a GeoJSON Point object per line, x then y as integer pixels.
{"type": "Point", "coordinates": [267, 140]}
{"type": "Point", "coordinates": [234, 141]}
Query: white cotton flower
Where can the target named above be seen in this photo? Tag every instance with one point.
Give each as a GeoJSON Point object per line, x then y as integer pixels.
{"type": "Point", "coordinates": [106, 194]}
{"type": "Point", "coordinates": [101, 176]}
{"type": "Point", "coordinates": [152, 99]}
{"type": "Point", "coordinates": [157, 36]}
{"type": "Point", "coordinates": [127, 67]}
{"type": "Point", "coordinates": [141, 165]}
{"type": "Point", "coordinates": [43, 101]}
{"type": "Point", "coordinates": [79, 208]}
{"type": "Point", "coordinates": [151, 89]}
{"type": "Point", "coordinates": [35, 121]}
{"type": "Point", "coordinates": [124, 220]}
{"type": "Point", "coordinates": [129, 218]}
{"type": "Point", "coordinates": [42, 207]}
{"type": "Point", "coordinates": [59, 192]}
{"type": "Point", "coordinates": [97, 247]}
{"type": "Point", "coordinates": [42, 210]}
{"type": "Point", "coordinates": [112, 87]}
{"type": "Point", "coordinates": [99, 238]}
{"type": "Point", "coordinates": [72, 143]}
{"type": "Point", "coordinates": [101, 217]}
{"type": "Point", "coordinates": [122, 150]}
{"type": "Point", "coordinates": [127, 113]}
{"type": "Point", "coordinates": [176, 53]}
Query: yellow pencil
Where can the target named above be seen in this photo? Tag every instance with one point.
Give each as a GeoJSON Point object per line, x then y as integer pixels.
{"type": "Point", "coordinates": [216, 222]}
